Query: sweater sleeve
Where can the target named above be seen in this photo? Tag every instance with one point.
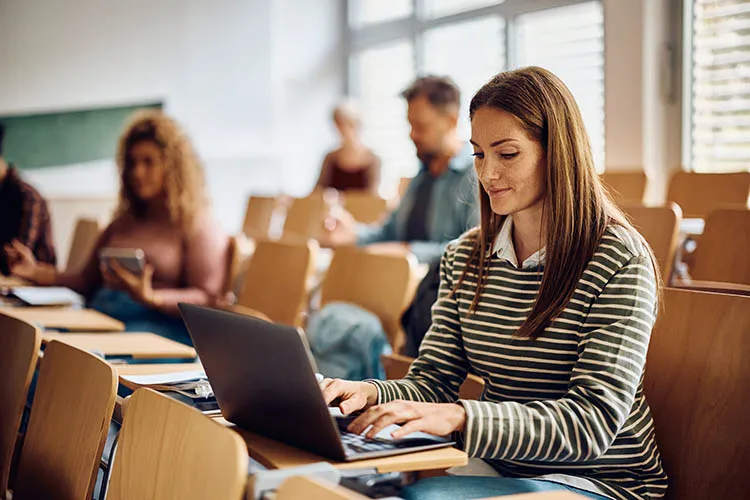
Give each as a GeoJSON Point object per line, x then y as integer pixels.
{"type": "Point", "coordinates": [581, 425]}
{"type": "Point", "coordinates": [437, 374]}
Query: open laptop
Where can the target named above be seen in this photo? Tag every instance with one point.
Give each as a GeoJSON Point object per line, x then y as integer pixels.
{"type": "Point", "coordinates": [263, 379]}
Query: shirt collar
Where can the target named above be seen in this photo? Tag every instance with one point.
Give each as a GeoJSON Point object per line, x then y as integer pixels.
{"type": "Point", "coordinates": [504, 249]}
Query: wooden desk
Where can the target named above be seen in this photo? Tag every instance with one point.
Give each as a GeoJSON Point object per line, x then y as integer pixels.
{"type": "Point", "coordinates": [11, 281]}
{"type": "Point", "coordinates": [155, 368]}
{"type": "Point", "coordinates": [276, 455]}
{"type": "Point", "coordinates": [61, 318]}
{"type": "Point", "coordinates": [135, 345]}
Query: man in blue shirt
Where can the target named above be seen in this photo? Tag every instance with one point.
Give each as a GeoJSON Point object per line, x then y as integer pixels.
{"type": "Point", "coordinates": [441, 201]}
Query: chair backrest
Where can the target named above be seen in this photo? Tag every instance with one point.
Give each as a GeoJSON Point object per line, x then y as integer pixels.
{"type": "Point", "coordinates": [723, 250]}
{"type": "Point", "coordinates": [699, 194]}
{"type": "Point", "coordinates": [304, 219]}
{"type": "Point", "coordinates": [697, 383]}
{"type": "Point", "coordinates": [168, 450]}
{"type": "Point", "coordinates": [377, 282]}
{"type": "Point", "coordinates": [660, 226]}
{"type": "Point", "coordinates": [275, 282]}
{"type": "Point", "coordinates": [626, 186]}
{"type": "Point", "coordinates": [397, 366]}
{"type": "Point", "coordinates": [19, 348]}
{"type": "Point", "coordinates": [311, 488]}
{"type": "Point", "coordinates": [70, 415]}
{"type": "Point", "coordinates": [235, 261]}
{"type": "Point", "coordinates": [258, 216]}
{"type": "Point", "coordinates": [365, 207]}
{"type": "Point", "coordinates": [85, 235]}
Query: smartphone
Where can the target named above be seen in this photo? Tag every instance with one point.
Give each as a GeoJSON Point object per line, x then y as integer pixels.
{"type": "Point", "coordinates": [132, 259]}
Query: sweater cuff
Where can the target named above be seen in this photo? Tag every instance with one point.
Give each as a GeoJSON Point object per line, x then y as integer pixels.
{"type": "Point", "coordinates": [478, 417]}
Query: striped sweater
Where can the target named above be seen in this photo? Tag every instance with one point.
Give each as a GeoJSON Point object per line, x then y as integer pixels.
{"type": "Point", "coordinates": [571, 401]}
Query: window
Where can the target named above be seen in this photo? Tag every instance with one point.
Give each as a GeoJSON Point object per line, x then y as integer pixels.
{"type": "Point", "coordinates": [720, 78]}
{"type": "Point", "coordinates": [569, 41]}
{"type": "Point", "coordinates": [470, 52]}
{"type": "Point", "coordinates": [382, 72]}
{"type": "Point", "coordinates": [470, 41]}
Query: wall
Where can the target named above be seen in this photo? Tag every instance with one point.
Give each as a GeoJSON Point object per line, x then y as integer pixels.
{"type": "Point", "coordinates": [251, 80]}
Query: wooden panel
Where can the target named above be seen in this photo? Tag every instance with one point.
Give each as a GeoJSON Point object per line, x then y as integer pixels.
{"type": "Point", "coordinates": [365, 207]}
{"type": "Point", "coordinates": [625, 187]}
{"type": "Point", "coordinates": [397, 366]}
{"type": "Point", "coordinates": [697, 384]}
{"type": "Point", "coordinates": [19, 347]}
{"type": "Point", "coordinates": [660, 226]}
{"type": "Point", "coordinates": [699, 194]}
{"type": "Point", "coordinates": [275, 282]}
{"type": "Point", "coordinates": [258, 216]}
{"type": "Point", "coordinates": [311, 488]}
{"type": "Point", "coordinates": [136, 345]}
{"type": "Point", "coordinates": [85, 320]}
{"type": "Point", "coordinates": [169, 450]}
{"type": "Point", "coordinates": [378, 282]}
{"type": "Point", "coordinates": [304, 219]}
{"type": "Point", "coordinates": [723, 250]}
{"type": "Point", "coordinates": [277, 455]}
{"type": "Point", "coordinates": [85, 236]}
{"type": "Point", "coordinates": [68, 425]}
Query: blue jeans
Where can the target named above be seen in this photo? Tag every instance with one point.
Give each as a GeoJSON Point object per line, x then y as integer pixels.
{"type": "Point", "coordinates": [469, 487]}
{"type": "Point", "coordinates": [137, 317]}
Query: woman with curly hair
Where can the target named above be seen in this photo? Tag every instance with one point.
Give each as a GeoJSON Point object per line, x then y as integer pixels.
{"type": "Point", "coordinates": [163, 211]}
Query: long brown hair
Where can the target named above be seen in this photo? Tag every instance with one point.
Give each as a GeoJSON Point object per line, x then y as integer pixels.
{"type": "Point", "coordinates": [577, 208]}
{"type": "Point", "coordinates": [183, 179]}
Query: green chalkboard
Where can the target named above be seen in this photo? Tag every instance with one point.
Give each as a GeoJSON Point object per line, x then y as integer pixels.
{"type": "Point", "coordinates": [64, 138]}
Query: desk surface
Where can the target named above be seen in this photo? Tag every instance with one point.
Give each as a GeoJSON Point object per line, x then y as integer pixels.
{"type": "Point", "coordinates": [11, 281]}
{"type": "Point", "coordinates": [136, 345]}
{"type": "Point", "coordinates": [83, 320]}
{"type": "Point", "coordinates": [274, 454]}
{"type": "Point", "coordinates": [155, 368]}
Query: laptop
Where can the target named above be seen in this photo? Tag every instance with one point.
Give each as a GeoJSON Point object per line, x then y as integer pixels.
{"type": "Point", "coordinates": [263, 378]}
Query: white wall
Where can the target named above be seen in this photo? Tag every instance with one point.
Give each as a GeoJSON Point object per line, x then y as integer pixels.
{"type": "Point", "coordinates": [252, 81]}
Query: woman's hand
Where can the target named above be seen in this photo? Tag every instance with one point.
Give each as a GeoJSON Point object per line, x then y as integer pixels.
{"type": "Point", "coordinates": [140, 287]}
{"type": "Point", "coordinates": [349, 396]}
{"type": "Point", "coordinates": [23, 264]}
{"type": "Point", "coordinates": [439, 419]}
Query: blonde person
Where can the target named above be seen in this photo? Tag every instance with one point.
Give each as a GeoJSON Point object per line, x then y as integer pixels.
{"type": "Point", "coordinates": [163, 211]}
{"type": "Point", "coordinates": [352, 166]}
{"type": "Point", "coordinates": [551, 301]}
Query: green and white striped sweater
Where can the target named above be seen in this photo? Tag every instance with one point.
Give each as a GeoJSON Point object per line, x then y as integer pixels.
{"type": "Point", "coordinates": [570, 402]}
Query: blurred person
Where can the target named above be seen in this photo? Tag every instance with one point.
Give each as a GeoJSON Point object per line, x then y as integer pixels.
{"type": "Point", "coordinates": [352, 166]}
{"type": "Point", "coordinates": [162, 210]}
{"type": "Point", "coordinates": [25, 216]}
{"type": "Point", "coordinates": [551, 301]}
{"type": "Point", "coordinates": [440, 202]}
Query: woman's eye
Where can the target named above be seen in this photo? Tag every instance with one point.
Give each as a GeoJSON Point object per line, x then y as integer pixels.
{"type": "Point", "coordinates": [478, 155]}
{"type": "Point", "coordinates": [508, 156]}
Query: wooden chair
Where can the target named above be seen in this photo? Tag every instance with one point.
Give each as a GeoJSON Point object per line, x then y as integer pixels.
{"type": "Point", "coordinates": [660, 226]}
{"type": "Point", "coordinates": [365, 207]}
{"type": "Point", "coordinates": [275, 282]}
{"type": "Point", "coordinates": [699, 194]}
{"type": "Point", "coordinates": [19, 347]}
{"type": "Point", "coordinates": [169, 450]}
{"type": "Point", "coordinates": [236, 257]}
{"type": "Point", "coordinates": [626, 186]}
{"type": "Point", "coordinates": [258, 216]}
{"type": "Point", "coordinates": [397, 366]}
{"type": "Point", "coordinates": [304, 219]}
{"type": "Point", "coordinates": [379, 283]}
{"type": "Point", "coordinates": [70, 416]}
{"type": "Point", "coordinates": [311, 488]}
{"type": "Point", "coordinates": [85, 235]}
{"type": "Point", "coordinates": [723, 250]}
{"type": "Point", "coordinates": [697, 383]}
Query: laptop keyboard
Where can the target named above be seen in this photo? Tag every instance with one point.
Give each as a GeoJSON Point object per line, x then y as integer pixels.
{"type": "Point", "coordinates": [360, 444]}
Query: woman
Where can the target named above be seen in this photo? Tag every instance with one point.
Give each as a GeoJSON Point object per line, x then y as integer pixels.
{"type": "Point", "coordinates": [163, 211]}
{"type": "Point", "coordinates": [551, 301]}
{"type": "Point", "coordinates": [352, 166]}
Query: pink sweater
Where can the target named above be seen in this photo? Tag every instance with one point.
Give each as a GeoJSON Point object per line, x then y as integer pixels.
{"type": "Point", "coordinates": [186, 268]}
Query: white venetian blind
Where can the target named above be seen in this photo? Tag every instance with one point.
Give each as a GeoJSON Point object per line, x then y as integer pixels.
{"type": "Point", "coordinates": [569, 41]}
{"type": "Point", "coordinates": [721, 86]}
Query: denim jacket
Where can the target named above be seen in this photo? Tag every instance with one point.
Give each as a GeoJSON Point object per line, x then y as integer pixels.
{"type": "Point", "coordinates": [453, 210]}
